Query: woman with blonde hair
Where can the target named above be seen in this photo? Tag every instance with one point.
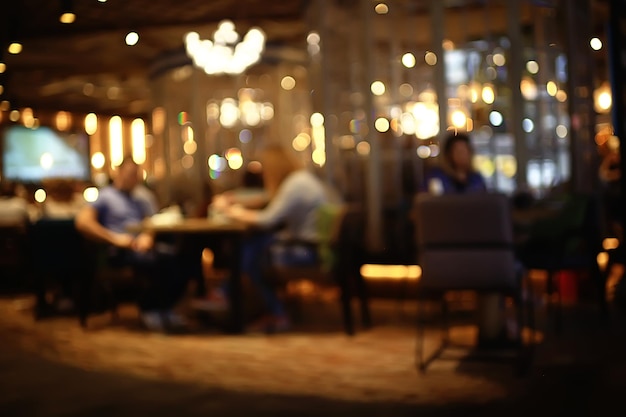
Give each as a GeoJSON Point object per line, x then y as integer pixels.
{"type": "Point", "coordinates": [294, 196]}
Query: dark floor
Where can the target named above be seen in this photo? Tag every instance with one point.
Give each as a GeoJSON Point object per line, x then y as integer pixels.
{"type": "Point", "coordinates": [580, 372]}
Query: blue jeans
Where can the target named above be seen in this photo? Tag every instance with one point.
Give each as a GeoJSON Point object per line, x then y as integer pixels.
{"type": "Point", "coordinates": [261, 250]}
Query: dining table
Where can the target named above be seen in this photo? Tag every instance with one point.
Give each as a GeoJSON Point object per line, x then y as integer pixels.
{"type": "Point", "coordinates": [220, 234]}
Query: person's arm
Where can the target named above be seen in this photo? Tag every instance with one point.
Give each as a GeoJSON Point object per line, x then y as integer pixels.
{"type": "Point", "coordinates": [277, 209]}
{"type": "Point", "coordinates": [87, 223]}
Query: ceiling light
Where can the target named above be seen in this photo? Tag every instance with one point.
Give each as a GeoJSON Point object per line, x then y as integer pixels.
{"type": "Point", "coordinates": [225, 53]}
{"type": "Point", "coordinates": [15, 48]}
{"type": "Point", "coordinates": [67, 12]}
{"type": "Point", "coordinates": [67, 18]}
{"type": "Point", "coordinates": [132, 38]}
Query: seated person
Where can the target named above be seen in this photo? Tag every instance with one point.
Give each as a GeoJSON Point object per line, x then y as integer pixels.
{"type": "Point", "coordinates": [456, 174]}
{"type": "Point", "coordinates": [107, 220]}
{"type": "Point", "coordinates": [294, 194]}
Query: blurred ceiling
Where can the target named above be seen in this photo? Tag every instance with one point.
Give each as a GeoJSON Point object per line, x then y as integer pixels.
{"type": "Point", "coordinates": [87, 67]}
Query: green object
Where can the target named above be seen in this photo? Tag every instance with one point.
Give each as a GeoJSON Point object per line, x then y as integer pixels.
{"type": "Point", "coordinates": [328, 224]}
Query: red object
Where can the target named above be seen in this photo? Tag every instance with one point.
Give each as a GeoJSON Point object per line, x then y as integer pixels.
{"type": "Point", "coordinates": [568, 286]}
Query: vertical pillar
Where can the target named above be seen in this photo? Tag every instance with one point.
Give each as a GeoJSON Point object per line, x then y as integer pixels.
{"type": "Point", "coordinates": [583, 153]}
{"type": "Point", "coordinates": [373, 184]}
{"type": "Point", "coordinates": [617, 62]}
{"type": "Point", "coordinates": [514, 80]}
{"type": "Point", "coordinates": [437, 8]}
{"type": "Point", "coordinates": [326, 87]}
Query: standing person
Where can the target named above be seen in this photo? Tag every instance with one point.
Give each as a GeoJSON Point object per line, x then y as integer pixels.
{"type": "Point", "coordinates": [456, 174]}
{"type": "Point", "coordinates": [295, 194]}
{"type": "Point", "coordinates": [107, 220]}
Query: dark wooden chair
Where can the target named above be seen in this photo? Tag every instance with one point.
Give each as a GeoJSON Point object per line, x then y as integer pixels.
{"type": "Point", "coordinates": [57, 262]}
{"type": "Point", "coordinates": [341, 255]}
{"type": "Point", "coordinates": [567, 240]}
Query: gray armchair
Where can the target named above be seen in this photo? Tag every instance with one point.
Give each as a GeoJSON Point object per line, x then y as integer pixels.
{"type": "Point", "coordinates": [465, 242]}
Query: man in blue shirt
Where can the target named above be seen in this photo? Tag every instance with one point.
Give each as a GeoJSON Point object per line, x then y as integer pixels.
{"type": "Point", "coordinates": [108, 220]}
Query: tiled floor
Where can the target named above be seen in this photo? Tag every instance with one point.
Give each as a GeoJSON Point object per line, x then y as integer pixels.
{"type": "Point", "coordinates": [54, 368]}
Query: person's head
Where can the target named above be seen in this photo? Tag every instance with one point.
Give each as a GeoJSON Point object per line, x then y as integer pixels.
{"type": "Point", "coordinates": [457, 151]}
{"type": "Point", "coordinates": [127, 175]}
{"type": "Point", "coordinates": [277, 164]}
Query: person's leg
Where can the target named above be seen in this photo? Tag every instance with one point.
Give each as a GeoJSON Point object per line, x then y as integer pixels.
{"type": "Point", "coordinates": [253, 256]}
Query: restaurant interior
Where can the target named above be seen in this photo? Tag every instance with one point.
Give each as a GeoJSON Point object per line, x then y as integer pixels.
{"type": "Point", "coordinates": [362, 94]}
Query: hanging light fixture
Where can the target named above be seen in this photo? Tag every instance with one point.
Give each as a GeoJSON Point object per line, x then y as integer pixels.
{"type": "Point", "coordinates": [225, 54]}
{"type": "Point", "coordinates": [67, 15]}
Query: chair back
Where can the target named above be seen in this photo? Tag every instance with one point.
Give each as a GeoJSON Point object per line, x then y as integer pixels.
{"type": "Point", "coordinates": [465, 242]}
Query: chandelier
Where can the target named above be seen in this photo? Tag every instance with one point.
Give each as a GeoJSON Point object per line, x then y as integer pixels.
{"type": "Point", "coordinates": [225, 54]}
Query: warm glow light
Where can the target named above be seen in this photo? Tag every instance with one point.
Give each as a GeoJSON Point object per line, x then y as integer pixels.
{"type": "Point", "coordinates": [381, 8]}
{"type": "Point", "coordinates": [190, 147]}
{"type": "Point", "coordinates": [552, 88]}
{"type": "Point", "coordinates": [488, 95]}
{"type": "Point", "coordinates": [27, 117]}
{"type": "Point", "coordinates": [63, 120]}
{"type": "Point", "coordinates": [67, 18]}
{"type": "Point", "coordinates": [40, 195]}
{"type": "Point", "coordinates": [610, 243]}
{"type": "Point", "coordinates": [596, 44]}
{"type": "Point", "coordinates": [138, 139]}
{"type": "Point", "coordinates": [363, 148]}
{"type": "Point", "coordinates": [3, 67]}
{"type": "Point", "coordinates": [319, 157]}
{"type": "Point", "coordinates": [301, 142]}
{"type": "Point", "coordinates": [532, 67]}
{"type": "Point", "coordinates": [116, 144]}
{"type": "Point", "coordinates": [97, 160]}
{"type": "Point", "coordinates": [430, 58]}
{"type": "Point", "coordinates": [235, 161]}
{"type": "Point", "coordinates": [317, 120]}
{"type": "Point", "coordinates": [225, 52]}
{"type": "Point", "coordinates": [499, 60]}
{"type": "Point", "coordinates": [507, 165]}
{"type": "Point", "coordinates": [14, 116]}
{"type": "Point", "coordinates": [229, 112]}
{"type": "Point", "coordinates": [378, 88]}
{"type": "Point", "coordinates": [15, 48]}
{"type": "Point", "coordinates": [392, 272]}
{"type": "Point", "coordinates": [408, 60]}
{"type": "Point", "coordinates": [424, 151]}
{"type": "Point", "coordinates": [158, 120]}
{"type": "Point", "coordinates": [132, 38]}
{"type": "Point", "coordinates": [91, 123]}
{"type": "Point", "coordinates": [529, 88]}
{"type": "Point", "coordinates": [602, 99]}
{"type": "Point", "coordinates": [90, 194]}
{"type": "Point", "coordinates": [458, 118]}
{"type": "Point", "coordinates": [288, 83]}
{"type": "Point", "coordinates": [381, 124]}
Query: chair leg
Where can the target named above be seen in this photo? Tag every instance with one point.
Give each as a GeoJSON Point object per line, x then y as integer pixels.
{"type": "Point", "coordinates": [362, 293]}
{"type": "Point", "coordinates": [423, 361]}
{"type": "Point", "coordinates": [419, 343]}
{"type": "Point", "coordinates": [342, 280]}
